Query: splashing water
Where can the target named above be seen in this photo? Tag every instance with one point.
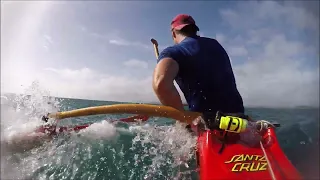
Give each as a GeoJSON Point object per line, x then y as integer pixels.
{"type": "Point", "coordinates": [101, 151]}
{"type": "Point", "coordinates": [167, 146]}
{"type": "Point", "coordinates": [100, 130]}
{"type": "Point", "coordinates": [19, 117]}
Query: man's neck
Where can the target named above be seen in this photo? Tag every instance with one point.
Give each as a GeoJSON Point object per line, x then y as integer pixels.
{"type": "Point", "coordinates": [181, 38]}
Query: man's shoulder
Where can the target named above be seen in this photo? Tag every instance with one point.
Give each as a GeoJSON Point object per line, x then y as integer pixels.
{"type": "Point", "coordinates": [171, 48]}
{"type": "Point", "coordinates": [209, 40]}
{"type": "Point", "coordinates": [212, 42]}
{"type": "Point", "coordinates": [170, 52]}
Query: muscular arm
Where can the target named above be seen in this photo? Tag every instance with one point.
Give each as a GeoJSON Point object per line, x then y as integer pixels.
{"type": "Point", "coordinates": [163, 86]}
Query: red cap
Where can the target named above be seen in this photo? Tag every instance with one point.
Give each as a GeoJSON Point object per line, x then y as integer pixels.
{"type": "Point", "coordinates": [182, 20]}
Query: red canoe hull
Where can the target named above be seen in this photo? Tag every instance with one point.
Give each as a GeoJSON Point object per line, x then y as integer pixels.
{"type": "Point", "coordinates": [240, 161]}
{"type": "Point", "coordinates": [53, 130]}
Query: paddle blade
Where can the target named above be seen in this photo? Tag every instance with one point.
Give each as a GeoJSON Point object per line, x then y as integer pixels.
{"type": "Point", "coordinates": [154, 42]}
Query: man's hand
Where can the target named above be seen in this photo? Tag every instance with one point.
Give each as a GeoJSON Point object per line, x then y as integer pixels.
{"type": "Point", "coordinates": [163, 86]}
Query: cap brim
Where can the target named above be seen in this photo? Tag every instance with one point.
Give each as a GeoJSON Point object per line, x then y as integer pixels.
{"type": "Point", "coordinates": [184, 25]}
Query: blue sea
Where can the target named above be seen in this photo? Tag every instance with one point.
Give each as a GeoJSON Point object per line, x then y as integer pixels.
{"type": "Point", "coordinates": [156, 149]}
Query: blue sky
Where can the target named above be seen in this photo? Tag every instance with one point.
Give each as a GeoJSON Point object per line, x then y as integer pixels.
{"type": "Point", "coordinates": [102, 50]}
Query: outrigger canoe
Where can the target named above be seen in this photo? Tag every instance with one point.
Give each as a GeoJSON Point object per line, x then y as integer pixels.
{"type": "Point", "coordinates": [220, 154]}
{"type": "Point", "coordinates": [225, 156]}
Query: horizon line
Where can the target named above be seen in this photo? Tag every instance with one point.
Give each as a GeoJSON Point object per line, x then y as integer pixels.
{"type": "Point", "coordinates": [158, 103]}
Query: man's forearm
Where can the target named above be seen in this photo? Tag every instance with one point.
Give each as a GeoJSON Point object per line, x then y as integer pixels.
{"type": "Point", "coordinates": [170, 97]}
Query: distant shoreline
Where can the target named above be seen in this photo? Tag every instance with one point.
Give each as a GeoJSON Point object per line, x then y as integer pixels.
{"type": "Point", "coordinates": [157, 103]}
{"type": "Point", "coordinates": [153, 103]}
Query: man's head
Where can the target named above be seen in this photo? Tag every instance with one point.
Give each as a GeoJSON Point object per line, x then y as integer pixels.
{"type": "Point", "coordinates": [183, 25]}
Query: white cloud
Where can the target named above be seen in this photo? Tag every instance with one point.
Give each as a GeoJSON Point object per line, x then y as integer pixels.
{"type": "Point", "coordinates": [134, 63]}
{"type": "Point", "coordinates": [114, 38]}
{"type": "Point", "coordinates": [253, 14]}
{"type": "Point", "coordinates": [122, 42]}
{"type": "Point", "coordinates": [86, 83]}
{"type": "Point", "coordinates": [276, 72]}
{"type": "Point", "coordinates": [96, 35]}
{"type": "Point", "coordinates": [48, 38]}
{"type": "Point", "coordinates": [220, 37]}
{"type": "Point", "coordinates": [257, 35]}
{"type": "Point", "coordinates": [84, 74]}
{"type": "Point", "coordinates": [277, 81]}
{"type": "Point", "coordinates": [47, 42]}
{"type": "Point", "coordinates": [302, 17]}
{"type": "Point", "coordinates": [200, 33]}
{"type": "Point", "coordinates": [89, 84]}
{"type": "Point", "coordinates": [83, 28]}
{"type": "Point", "coordinates": [237, 51]}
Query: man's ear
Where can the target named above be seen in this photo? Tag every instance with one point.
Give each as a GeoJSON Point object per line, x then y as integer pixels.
{"type": "Point", "coordinates": [174, 35]}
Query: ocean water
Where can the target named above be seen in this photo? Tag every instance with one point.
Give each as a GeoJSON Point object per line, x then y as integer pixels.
{"type": "Point", "coordinates": [156, 149]}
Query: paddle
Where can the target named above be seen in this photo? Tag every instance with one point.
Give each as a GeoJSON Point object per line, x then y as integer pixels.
{"type": "Point", "coordinates": [155, 46]}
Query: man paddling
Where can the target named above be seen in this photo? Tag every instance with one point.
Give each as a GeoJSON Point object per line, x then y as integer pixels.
{"type": "Point", "coordinates": [202, 69]}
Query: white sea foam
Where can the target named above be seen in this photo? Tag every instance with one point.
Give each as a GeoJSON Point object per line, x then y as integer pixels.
{"type": "Point", "coordinates": [100, 130]}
